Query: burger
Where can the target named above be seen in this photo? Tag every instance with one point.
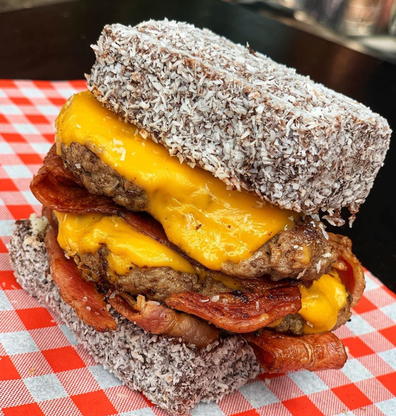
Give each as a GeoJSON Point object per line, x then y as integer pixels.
{"type": "Point", "coordinates": [184, 202]}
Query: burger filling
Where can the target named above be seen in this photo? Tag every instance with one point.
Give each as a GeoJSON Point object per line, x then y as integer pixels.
{"type": "Point", "coordinates": [224, 230]}
{"type": "Point", "coordinates": [132, 258]}
{"type": "Point", "coordinates": [218, 261]}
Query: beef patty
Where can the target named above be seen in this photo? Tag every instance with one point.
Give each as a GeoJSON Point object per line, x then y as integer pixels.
{"type": "Point", "coordinates": [301, 252]}
{"type": "Point", "coordinates": [159, 283]}
{"type": "Point", "coordinates": [156, 283]}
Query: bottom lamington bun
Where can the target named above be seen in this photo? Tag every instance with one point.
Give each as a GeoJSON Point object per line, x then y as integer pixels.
{"type": "Point", "coordinates": [171, 374]}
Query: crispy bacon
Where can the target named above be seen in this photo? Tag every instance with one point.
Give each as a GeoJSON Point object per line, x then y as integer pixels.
{"type": "Point", "coordinates": [161, 320]}
{"type": "Point", "coordinates": [278, 353]}
{"type": "Point", "coordinates": [260, 285]}
{"type": "Point", "coordinates": [57, 188]}
{"type": "Point", "coordinates": [349, 267]}
{"type": "Point", "coordinates": [237, 311]}
{"type": "Point", "coordinates": [82, 296]}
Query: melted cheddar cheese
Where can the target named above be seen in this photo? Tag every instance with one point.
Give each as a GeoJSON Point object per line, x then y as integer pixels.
{"type": "Point", "coordinates": [211, 224]}
{"type": "Point", "coordinates": [87, 233]}
{"type": "Point", "coordinates": [322, 302]}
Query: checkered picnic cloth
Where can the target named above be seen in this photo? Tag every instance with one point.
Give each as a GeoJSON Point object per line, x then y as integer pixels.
{"type": "Point", "coordinates": [43, 369]}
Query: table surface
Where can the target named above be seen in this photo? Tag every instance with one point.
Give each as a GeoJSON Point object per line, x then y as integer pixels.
{"type": "Point", "coordinates": [52, 42]}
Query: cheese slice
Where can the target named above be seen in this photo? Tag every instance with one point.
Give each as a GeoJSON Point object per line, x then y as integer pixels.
{"type": "Point", "coordinates": [211, 224]}
{"type": "Point", "coordinates": [87, 233]}
{"type": "Point", "coordinates": [80, 234]}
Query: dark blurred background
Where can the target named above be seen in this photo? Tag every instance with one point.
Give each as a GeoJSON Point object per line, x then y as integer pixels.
{"type": "Point", "coordinates": [368, 26]}
{"type": "Point", "coordinates": [364, 25]}
{"type": "Point", "coordinates": [348, 45]}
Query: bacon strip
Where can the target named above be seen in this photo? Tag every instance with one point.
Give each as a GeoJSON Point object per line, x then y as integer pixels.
{"type": "Point", "coordinates": [278, 353]}
{"type": "Point", "coordinates": [237, 311]}
{"type": "Point", "coordinates": [82, 296]}
{"type": "Point", "coordinates": [57, 188]}
{"type": "Point", "coordinates": [260, 285]}
{"type": "Point", "coordinates": [160, 320]}
{"type": "Point", "coordinates": [349, 267]}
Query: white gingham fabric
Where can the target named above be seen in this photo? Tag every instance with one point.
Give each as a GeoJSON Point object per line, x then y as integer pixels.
{"type": "Point", "coordinates": [44, 371]}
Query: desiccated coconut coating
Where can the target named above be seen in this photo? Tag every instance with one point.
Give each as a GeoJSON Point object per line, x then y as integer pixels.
{"type": "Point", "coordinates": [253, 123]}
{"type": "Point", "coordinates": [168, 372]}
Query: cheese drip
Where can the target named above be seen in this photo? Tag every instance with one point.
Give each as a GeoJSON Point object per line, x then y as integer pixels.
{"type": "Point", "coordinates": [211, 224]}
{"type": "Point", "coordinates": [322, 302]}
{"type": "Point", "coordinates": [87, 233]}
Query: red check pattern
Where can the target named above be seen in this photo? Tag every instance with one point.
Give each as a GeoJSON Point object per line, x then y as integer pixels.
{"type": "Point", "coordinates": [44, 371]}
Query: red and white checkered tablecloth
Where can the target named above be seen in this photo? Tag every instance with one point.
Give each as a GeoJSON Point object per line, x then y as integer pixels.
{"type": "Point", "coordinates": [44, 371]}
